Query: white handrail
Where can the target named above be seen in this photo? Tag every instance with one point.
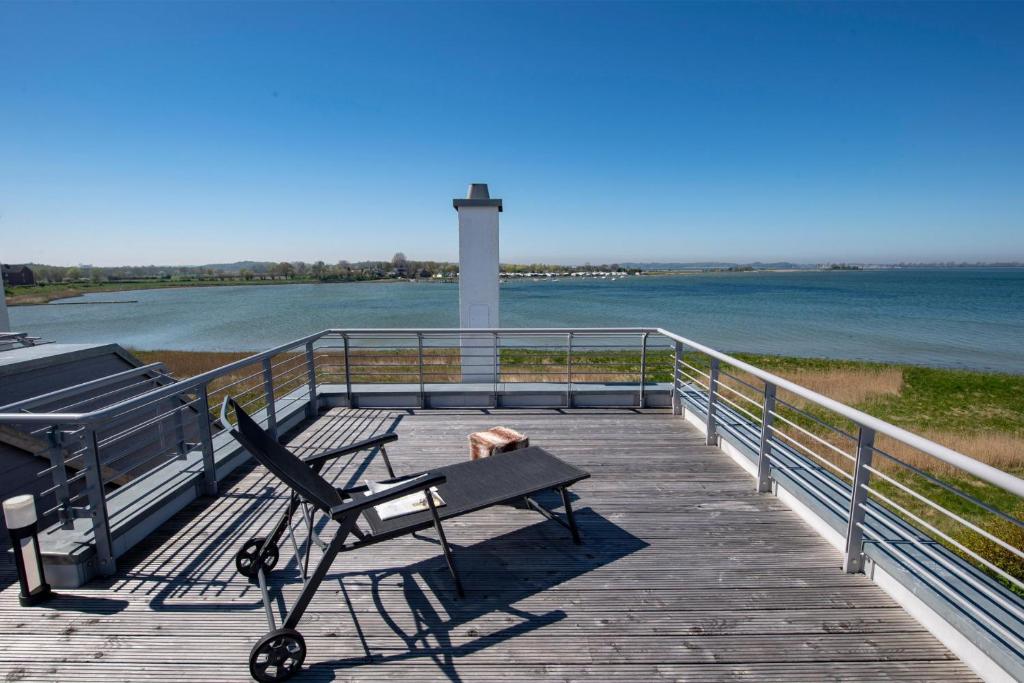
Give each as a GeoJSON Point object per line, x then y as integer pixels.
{"type": "Point", "coordinates": [986, 473]}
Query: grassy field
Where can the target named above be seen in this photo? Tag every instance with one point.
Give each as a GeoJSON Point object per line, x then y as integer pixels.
{"type": "Point", "coordinates": [41, 294]}
{"type": "Point", "coordinates": [979, 414]}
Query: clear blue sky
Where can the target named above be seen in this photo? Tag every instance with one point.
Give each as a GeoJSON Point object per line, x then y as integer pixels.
{"type": "Point", "coordinates": [195, 133]}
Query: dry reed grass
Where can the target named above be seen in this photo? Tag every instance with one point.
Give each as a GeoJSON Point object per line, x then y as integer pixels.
{"type": "Point", "coordinates": [998, 449]}
{"type": "Point", "coordinates": [849, 385]}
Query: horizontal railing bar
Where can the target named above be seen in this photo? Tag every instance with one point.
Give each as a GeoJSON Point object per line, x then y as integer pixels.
{"type": "Point", "coordinates": [881, 517]}
{"type": "Point", "coordinates": [695, 369]}
{"type": "Point", "coordinates": [979, 469]}
{"type": "Point", "coordinates": [820, 421]}
{"type": "Point", "coordinates": [944, 536]}
{"type": "Point", "coordinates": [58, 394]}
{"type": "Point", "coordinates": [943, 586]}
{"type": "Point", "coordinates": [70, 480]}
{"type": "Point", "coordinates": [178, 387]}
{"type": "Point", "coordinates": [737, 406]}
{"type": "Point", "coordinates": [809, 486]}
{"type": "Point", "coordinates": [106, 394]}
{"type": "Point", "coordinates": [948, 513]}
{"type": "Point", "coordinates": [722, 385]}
{"type": "Point", "coordinates": [695, 380]}
{"type": "Point", "coordinates": [949, 487]}
{"type": "Point", "coordinates": [815, 437]}
{"type": "Point", "coordinates": [737, 379]}
{"type": "Point", "coordinates": [810, 452]}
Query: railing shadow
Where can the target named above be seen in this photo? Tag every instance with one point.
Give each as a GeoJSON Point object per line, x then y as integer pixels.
{"type": "Point", "coordinates": [248, 505]}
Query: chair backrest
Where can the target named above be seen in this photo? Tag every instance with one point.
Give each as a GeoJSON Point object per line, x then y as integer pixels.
{"type": "Point", "coordinates": [284, 464]}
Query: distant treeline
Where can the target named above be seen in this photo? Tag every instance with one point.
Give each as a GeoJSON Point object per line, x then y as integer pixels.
{"type": "Point", "coordinates": [343, 271]}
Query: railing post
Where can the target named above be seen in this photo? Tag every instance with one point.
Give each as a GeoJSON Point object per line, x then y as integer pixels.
{"type": "Point", "coordinates": [313, 409]}
{"type": "Point", "coordinates": [59, 474]}
{"type": "Point", "coordinates": [677, 400]}
{"type": "Point", "coordinates": [105, 563]}
{"type": "Point", "coordinates": [419, 363]}
{"type": "Point", "coordinates": [206, 440]}
{"type": "Point", "coordinates": [712, 423]}
{"type": "Point", "coordinates": [268, 395]}
{"type": "Point", "coordinates": [348, 373]}
{"type": "Point", "coordinates": [568, 370]}
{"type": "Point", "coordinates": [854, 559]}
{"type": "Point", "coordinates": [179, 427]}
{"type": "Point", "coordinates": [764, 478]}
{"type": "Point", "coordinates": [494, 340]}
{"type": "Point", "coordinates": [643, 370]}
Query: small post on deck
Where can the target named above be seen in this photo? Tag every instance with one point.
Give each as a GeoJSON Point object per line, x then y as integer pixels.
{"type": "Point", "coordinates": [677, 400]}
{"type": "Point", "coordinates": [643, 370]}
{"type": "Point", "coordinates": [5, 320]}
{"type": "Point", "coordinates": [268, 395]}
{"type": "Point", "coordinates": [568, 370]}
{"type": "Point", "coordinates": [478, 281]}
{"type": "Point", "coordinates": [712, 423]}
{"type": "Point", "coordinates": [419, 364]}
{"type": "Point", "coordinates": [313, 409]}
{"type": "Point", "coordinates": [764, 478]}
{"type": "Point", "coordinates": [853, 561]}
{"type": "Point", "coordinates": [348, 373]}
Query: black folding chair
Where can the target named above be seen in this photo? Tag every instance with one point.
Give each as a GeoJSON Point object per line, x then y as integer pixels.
{"type": "Point", "coordinates": [465, 487]}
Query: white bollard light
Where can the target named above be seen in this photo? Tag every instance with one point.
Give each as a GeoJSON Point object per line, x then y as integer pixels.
{"type": "Point", "coordinates": [23, 525]}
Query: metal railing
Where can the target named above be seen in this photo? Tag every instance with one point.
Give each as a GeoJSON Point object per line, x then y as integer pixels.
{"type": "Point", "coordinates": [918, 500]}
{"type": "Point", "coordinates": [494, 361]}
{"type": "Point", "coordinates": [890, 487]}
{"type": "Point", "coordinates": [100, 435]}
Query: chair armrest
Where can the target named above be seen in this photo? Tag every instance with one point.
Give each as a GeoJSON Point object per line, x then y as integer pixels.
{"type": "Point", "coordinates": [360, 503]}
{"type": "Point", "coordinates": [372, 442]}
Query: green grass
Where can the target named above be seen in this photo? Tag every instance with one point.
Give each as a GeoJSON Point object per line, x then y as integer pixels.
{"type": "Point", "coordinates": [40, 294]}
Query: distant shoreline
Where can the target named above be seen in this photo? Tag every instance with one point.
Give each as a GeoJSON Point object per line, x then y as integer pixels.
{"type": "Point", "coordinates": [38, 295]}
{"type": "Point", "coordinates": [42, 295]}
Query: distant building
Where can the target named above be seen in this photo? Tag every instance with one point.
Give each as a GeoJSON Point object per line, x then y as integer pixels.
{"type": "Point", "coordinates": [17, 275]}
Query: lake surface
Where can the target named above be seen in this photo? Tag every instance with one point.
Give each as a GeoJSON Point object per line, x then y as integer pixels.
{"type": "Point", "coordinates": [967, 318]}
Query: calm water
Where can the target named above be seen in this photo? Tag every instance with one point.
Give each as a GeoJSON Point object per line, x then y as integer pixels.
{"type": "Point", "coordinates": [970, 318]}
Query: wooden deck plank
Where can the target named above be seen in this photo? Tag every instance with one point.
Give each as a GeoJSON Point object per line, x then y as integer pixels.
{"type": "Point", "coordinates": [685, 574]}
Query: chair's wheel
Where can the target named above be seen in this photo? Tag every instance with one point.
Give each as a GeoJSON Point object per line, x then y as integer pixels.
{"type": "Point", "coordinates": [277, 656]}
{"type": "Point", "coordinates": [247, 561]}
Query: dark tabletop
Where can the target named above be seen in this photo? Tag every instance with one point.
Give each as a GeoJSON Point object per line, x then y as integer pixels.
{"type": "Point", "coordinates": [477, 484]}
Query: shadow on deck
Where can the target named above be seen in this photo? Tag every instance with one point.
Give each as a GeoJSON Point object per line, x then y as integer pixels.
{"type": "Point", "coordinates": [685, 573]}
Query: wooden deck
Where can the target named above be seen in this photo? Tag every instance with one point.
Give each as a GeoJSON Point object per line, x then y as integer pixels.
{"type": "Point", "coordinates": [685, 574]}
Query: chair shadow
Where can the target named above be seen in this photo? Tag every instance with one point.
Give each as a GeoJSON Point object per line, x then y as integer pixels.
{"type": "Point", "coordinates": [210, 566]}
{"type": "Point", "coordinates": [497, 574]}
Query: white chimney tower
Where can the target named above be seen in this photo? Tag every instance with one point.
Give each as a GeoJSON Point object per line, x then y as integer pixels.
{"type": "Point", "coordinates": [478, 280]}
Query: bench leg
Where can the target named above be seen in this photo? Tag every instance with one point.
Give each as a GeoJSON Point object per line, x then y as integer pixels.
{"type": "Point", "coordinates": [444, 544]}
{"type": "Point", "coordinates": [568, 513]}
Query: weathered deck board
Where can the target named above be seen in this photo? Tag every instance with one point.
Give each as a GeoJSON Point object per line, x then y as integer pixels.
{"type": "Point", "coordinates": [685, 574]}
